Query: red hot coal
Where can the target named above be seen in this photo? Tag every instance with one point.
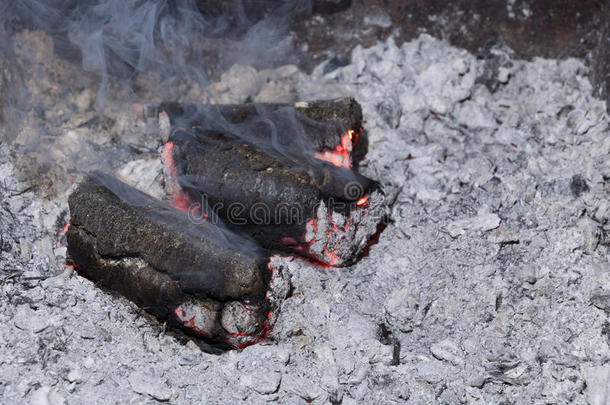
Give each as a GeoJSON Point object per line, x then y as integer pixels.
{"type": "Point", "coordinates": [284, 174]}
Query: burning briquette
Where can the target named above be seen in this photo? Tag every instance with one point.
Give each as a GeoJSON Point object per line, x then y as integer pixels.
{"type": "Point", "coordinates": [333, 128]}
{"type": "Point", "coordinates": [200, 277]}
{"type": "Point", "coordinates": [285, 198]}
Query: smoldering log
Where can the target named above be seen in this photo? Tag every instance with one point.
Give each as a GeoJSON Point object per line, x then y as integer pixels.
{"type": "Point", "coordinates": [309, 206]}
{"type": "Point", "coordinates": [196, 276]}
{"type": "Point", "coordinates": [164, 238]}
{"type": "Point", "coordinates": [333, 127]}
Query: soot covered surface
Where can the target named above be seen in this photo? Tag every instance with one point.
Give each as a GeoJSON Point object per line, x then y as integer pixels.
{"type": "Point", "coordinates": [325, 123]}
{"type": "Point", "coordinates": [286, 199]}
{"type": "Point", "coordinates": [201, 277]}
{"type": "Point", "coordinates": [492, 276]}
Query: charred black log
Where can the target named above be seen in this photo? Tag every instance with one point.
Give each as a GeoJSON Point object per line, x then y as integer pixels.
{"type": "Point", "coordinates": [309, 206]}
{"type": "Point", "coordinates": [198, 276]}
{"type": "Point", "coordinates": [333, 128]}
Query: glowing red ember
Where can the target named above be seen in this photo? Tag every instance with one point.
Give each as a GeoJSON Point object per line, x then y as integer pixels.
{"type": "Point", "coordinates": [139, 109]}
{"type": "Point", "coordinates": [341, 155]}
{"type": "Point", "coordinates": [180, 199]}
{"type": "Point", "coordinates": [65, 228]}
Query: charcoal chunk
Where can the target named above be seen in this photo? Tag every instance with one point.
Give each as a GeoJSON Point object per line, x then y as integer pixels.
{"type": "Point", "coordinates": [275, 199]}
{"type": "Point", "coordinates": [199, 256]}
{"type": "Point", "coordinates": [324, 122]}
{"type": "Point", "coordinates": [197, 276]}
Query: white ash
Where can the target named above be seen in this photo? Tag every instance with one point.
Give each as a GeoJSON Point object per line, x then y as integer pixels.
{"type": "Point", "coordinates": [199, 315]}
{"type": "Point", "coordinates": [145, 174]}
{"type": "Point", "coordinates": [236, 318]}
{"type": "Point", "coordinates": [482, 221]}
{"type": "Point", "coordinates": [512, 314]}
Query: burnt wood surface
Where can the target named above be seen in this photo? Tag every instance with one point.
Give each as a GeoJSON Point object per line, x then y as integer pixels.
{"type": "Point", "coordinates": [274, 196]}
{"type": "Point", "coordinates": [154, 254]}
{"type": "Point", "coordinates": [323, 122]}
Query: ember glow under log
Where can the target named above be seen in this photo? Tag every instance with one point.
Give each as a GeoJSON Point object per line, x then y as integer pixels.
{"type": "Point", "coordinates": [285, 199]}
{"type": "Point", "coordinates": [201, 277]}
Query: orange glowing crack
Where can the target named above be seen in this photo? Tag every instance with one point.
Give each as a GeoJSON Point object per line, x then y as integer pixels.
{"type": "Point", "coordinates": [62, 232]}
{"type": "Point", "coordinates": [76, 267]}
{"type": "Point", "coordinates": [341, 155]}
{"type": "Point", "coordinates": [267, 326]}
{"type": "Point", "coordinates": [180, 199]}
{"type": "Point", "coordinates": [333, 257]}
{"type": "Point", "coordinates": [65, 228]}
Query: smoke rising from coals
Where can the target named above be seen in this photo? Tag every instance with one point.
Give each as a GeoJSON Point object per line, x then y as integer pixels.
{"type": "Point", "coordinates": [55, 53]}
{"type": "Point", "coordinates": [168, 38]}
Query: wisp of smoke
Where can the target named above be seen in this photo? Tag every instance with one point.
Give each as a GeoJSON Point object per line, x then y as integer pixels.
{"type": "Point", "coordinates": [170, 38]}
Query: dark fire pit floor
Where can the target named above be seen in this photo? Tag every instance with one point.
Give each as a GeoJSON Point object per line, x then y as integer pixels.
{"type": "Point", "coordinates": [490, 283]}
